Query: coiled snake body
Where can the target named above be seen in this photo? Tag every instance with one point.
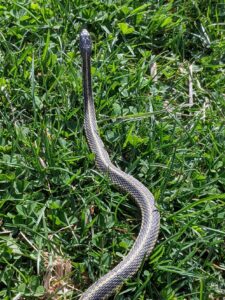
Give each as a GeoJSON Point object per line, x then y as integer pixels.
{"type": "Point", "coordinates": [148, 234]}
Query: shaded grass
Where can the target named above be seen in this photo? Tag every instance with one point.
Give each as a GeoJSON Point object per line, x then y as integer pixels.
{"type": "Point", "coordinates": [52, 198]}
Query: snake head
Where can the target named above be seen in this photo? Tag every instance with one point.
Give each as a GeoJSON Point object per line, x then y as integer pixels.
{"type": "Point", "coordinates": [85, 42]}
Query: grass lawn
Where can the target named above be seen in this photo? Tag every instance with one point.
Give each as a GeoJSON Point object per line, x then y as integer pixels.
{"type": "Point", "coordinates": [159, 86]}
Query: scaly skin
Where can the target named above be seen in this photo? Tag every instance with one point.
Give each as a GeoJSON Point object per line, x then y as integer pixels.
{"type": "Point", "coordinates": [149, 230]}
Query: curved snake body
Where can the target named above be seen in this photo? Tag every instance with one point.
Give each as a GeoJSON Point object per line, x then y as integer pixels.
{"type": "Point", "coordinates": [148, 234]}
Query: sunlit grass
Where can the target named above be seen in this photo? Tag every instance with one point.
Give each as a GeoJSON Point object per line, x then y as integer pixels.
{"type": "Point", "coordinates": [54, 205]}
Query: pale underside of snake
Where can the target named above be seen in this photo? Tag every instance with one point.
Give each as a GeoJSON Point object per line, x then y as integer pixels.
{"type": "Point", "coordinates": [150, 218]}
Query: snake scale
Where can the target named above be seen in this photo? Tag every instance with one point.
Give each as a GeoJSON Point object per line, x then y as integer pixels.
{"type": "Point", "coordinates": [148, 234]}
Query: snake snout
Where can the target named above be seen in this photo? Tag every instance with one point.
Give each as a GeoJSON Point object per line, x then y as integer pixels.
{"type": "Point", "coordinates": [85, 42]}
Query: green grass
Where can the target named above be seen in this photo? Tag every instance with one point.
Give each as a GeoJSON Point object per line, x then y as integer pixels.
{"type": "Point", "coordinates": [54, 204]}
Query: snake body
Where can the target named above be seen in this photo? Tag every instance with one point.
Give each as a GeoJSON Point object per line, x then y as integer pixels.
{"type": "Point", "coordinates": [148, 234]}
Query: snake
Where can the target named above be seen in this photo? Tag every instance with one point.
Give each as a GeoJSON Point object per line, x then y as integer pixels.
{"type": "Point", "coordinates": [147, 237]}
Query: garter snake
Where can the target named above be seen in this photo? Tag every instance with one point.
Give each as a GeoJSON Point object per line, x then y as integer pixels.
{"type": "Point", "coordinates": [148, 234]}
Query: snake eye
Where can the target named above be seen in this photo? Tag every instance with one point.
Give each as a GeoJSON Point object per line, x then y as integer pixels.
{"type": "Point", "coordinates": [85, 42]}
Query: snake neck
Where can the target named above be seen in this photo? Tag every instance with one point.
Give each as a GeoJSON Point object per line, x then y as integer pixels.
{"type": "Point", "coordinates": [89, 109]}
